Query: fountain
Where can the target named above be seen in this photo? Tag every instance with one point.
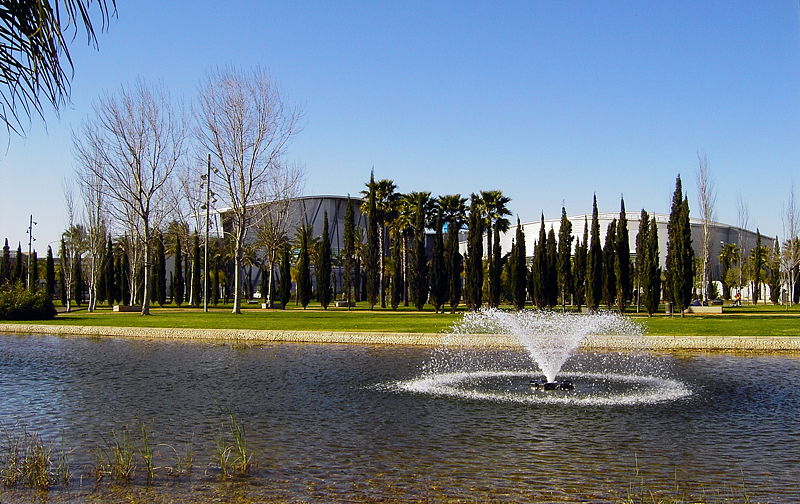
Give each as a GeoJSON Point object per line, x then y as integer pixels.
{"type": "Point", "coordinates": [463, 369]}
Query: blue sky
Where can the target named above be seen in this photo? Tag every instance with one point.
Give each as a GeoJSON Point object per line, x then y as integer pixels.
{"type": "Point", "coordinates": [549, 102]}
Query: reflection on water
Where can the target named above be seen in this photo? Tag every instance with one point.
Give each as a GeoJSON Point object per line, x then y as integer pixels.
{"type": "Point", "coordinates": [326, 424]}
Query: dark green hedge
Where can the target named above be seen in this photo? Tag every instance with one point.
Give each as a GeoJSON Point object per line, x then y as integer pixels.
{"type": "Point", "coordinates": [18, 303]}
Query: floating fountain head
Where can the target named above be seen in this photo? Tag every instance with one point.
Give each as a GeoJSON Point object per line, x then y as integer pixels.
{"type": "Point", "coordinates": [549, 337]}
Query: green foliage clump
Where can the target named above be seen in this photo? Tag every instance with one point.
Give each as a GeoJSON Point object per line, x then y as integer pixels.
{"type": "Point", "coordinates": [18, 303]}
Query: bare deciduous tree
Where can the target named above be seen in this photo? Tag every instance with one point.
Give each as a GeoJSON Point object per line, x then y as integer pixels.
{"type": "Point", "coordinates": [707, 196]}
{"type": "Point", "coordinates": [245, 123]}
{"type": "Point", "coordinates": [275, 226]}
{"type": "Point", "coordinates": [742, 219]}
{"type": "Point", "coordinates": [95, 216]}
{"type": "Point", "coordinates": [790, 258]}
{"type": "Point", "coordinates": [68, 246]}
{"type": "Point", "coordinates": [138, 139]}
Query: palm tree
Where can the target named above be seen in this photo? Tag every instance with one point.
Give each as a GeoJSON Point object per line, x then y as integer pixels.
{"type": "Point", "coordinates": [729, 255]}
{"type": "Point", "coordinates": [402, 225]}
{"type": "Point", "coordinates": [34, 36]}
{"type": "Point", "coordinates": [385, 203]}
{"type": "Point", "coordinates": [495, 207]}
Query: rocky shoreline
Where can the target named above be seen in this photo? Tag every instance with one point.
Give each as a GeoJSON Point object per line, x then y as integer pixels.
{"type": "Point", "coordinates": [705, 343]}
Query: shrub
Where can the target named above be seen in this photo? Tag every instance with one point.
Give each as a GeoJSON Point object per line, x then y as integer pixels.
{"type": "Point", "coordinates": [18, 303]}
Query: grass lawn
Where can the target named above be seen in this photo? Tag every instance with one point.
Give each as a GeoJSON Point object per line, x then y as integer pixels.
{"type": "Point", "coordinates": [760, 320]}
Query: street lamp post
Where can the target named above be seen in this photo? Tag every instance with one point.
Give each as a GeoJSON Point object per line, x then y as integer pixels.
{"type": "Point", "coordinates": [207, 206]}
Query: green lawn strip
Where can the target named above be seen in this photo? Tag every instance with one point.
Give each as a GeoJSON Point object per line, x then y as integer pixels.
{"type": "Point", "coordinates": [748, 322]}
{"type": "Point", "coordinates": [291, 320]}
{"type": "Point", "coordinates": [767, 325]}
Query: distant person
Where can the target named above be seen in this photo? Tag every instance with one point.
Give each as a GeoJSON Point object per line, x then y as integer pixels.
{"type": "Point", "coordinates": [737, 301]}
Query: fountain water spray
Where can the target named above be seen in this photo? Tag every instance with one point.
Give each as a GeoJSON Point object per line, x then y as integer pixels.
{"type": "Point", "coordinates": [472, 365]}
{"type": "Point", "coordinates": [549, 337]}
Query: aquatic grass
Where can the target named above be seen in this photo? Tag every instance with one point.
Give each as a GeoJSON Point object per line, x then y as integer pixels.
{"type": "Point", "coordinates": [26, 460]}
{"type": "Point", "coordinates": [37, 464]}
{"type": "Point", "coordinates": [116, 458]}
{"type": "Point", "coordinates": [146, 452]}
{"type": "Point", "coordinates": [222, 456]}
{"type": "Point", "coordinates": [184, 462]}
{"type": "Point", "coordinates": [63, 473]}
{"type": "Point", "coordinates": [11, 461]}
{"type": "Point", "coordinates": [232, 456]}
{"type": "Point", "coordinates": [640, 491]}
{"type": "Point", "coordinates": [243, 461]}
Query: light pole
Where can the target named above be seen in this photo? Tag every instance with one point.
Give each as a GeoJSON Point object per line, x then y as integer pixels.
{"type": "Point", "coordinates": [31, 239]}
{"type": "Point", "coordinates": [209, 193]}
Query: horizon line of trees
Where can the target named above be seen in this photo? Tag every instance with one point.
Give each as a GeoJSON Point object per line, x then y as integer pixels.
{"type": "Point", "coordinates": [390, 264]}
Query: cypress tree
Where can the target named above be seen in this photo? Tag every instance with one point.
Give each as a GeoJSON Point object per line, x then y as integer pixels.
{"type": "Point", "coordinates": [34, 272]}
{"type": "Point", "coordinates": [418, 272]}
{"type": "Point", "coordinates": [197, 280]}
{"type": "Point", "coordinates": [651, 272]}
{"type": "Point", "coordinates": [303, 269]}
{"type": "Point", "coordinates": [372, 248]}
{"type": "Point", "coordinates": [349, 245]}
{"type": "Point", "coordinates": [758, 262]}
{"type": "Point", "coordinates": [623, 260]}
{"type": "Point", "coordinates": [215, 272]}
{"type": "Point", "coordinates": [19, 268]}
{"type": "Point", "coordinates": [594, 264]}
{"type": "Point", "coordinates": [396, 285]}
{"type": "Point", "coordinates": [538, 285]}
{"type": "Point", "coordinates": [641, 244]}
{"type": "Point", "coordinates": [609, 260]}
{"type": "Point", "coordinates": [455, 265]}
{"type": "Point", "coordinates": [285, 281]}
{"type": "Point", "coordinates": [160, 271]}
{"type": "Point", "coordinates": [680, 256]}
{"type": "Point", "coordinates": [5, 265]}
{"type": "Point", "coordinates": [180, 285]}
{"type": "Point", "coordinates": [109, 280]}
{"type": "Point", "coordinates": [439, 280]}
{"type": "Point", "coordinates": [50, 274]}
{"type": "Point", "coordinates": [565, 258]}
{"type": "Point", "coordinates": [774, 279]}
{"type": "Point", "coordinates": [324, 269]}
{"type": "Point", "coordinates": [123, 277]}
{"type": "Point", "coordinates": [579, 265]}
{"type": "Point", "coordinates": [62, 275]}
{"type": "Point", "coordinates": [552, 269]}
{"type": "Point", "coordinates": [495, 268]}
{"type": "Point", "coordinates": [520, 271]}
{"type": "Point", "coordinates": [77, 276]}
{"type": "Point", "coordinates": [473, 281]}
{"type": "Point", "coordinates": [102, 283]}
{"type": "Point", "coordinates": [264, 284]}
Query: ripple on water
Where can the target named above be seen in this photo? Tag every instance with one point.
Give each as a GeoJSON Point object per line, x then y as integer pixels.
{"type": "Point", "coordinates": [591, 389]}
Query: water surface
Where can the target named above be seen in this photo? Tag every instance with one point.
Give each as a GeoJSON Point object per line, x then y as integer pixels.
{"type": "Point", "coordinates": [327, 423]}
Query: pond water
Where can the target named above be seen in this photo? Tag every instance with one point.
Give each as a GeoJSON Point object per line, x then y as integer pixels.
{"type": "Point", "coordinates": [335, 422]}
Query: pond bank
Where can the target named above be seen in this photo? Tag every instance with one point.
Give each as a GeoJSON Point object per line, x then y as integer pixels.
{"type": "Point", "coordinates": [720, 343]}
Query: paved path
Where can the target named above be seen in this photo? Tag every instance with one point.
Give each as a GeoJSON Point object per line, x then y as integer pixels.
{"type": "Point", "coordinates": [714, 343]}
